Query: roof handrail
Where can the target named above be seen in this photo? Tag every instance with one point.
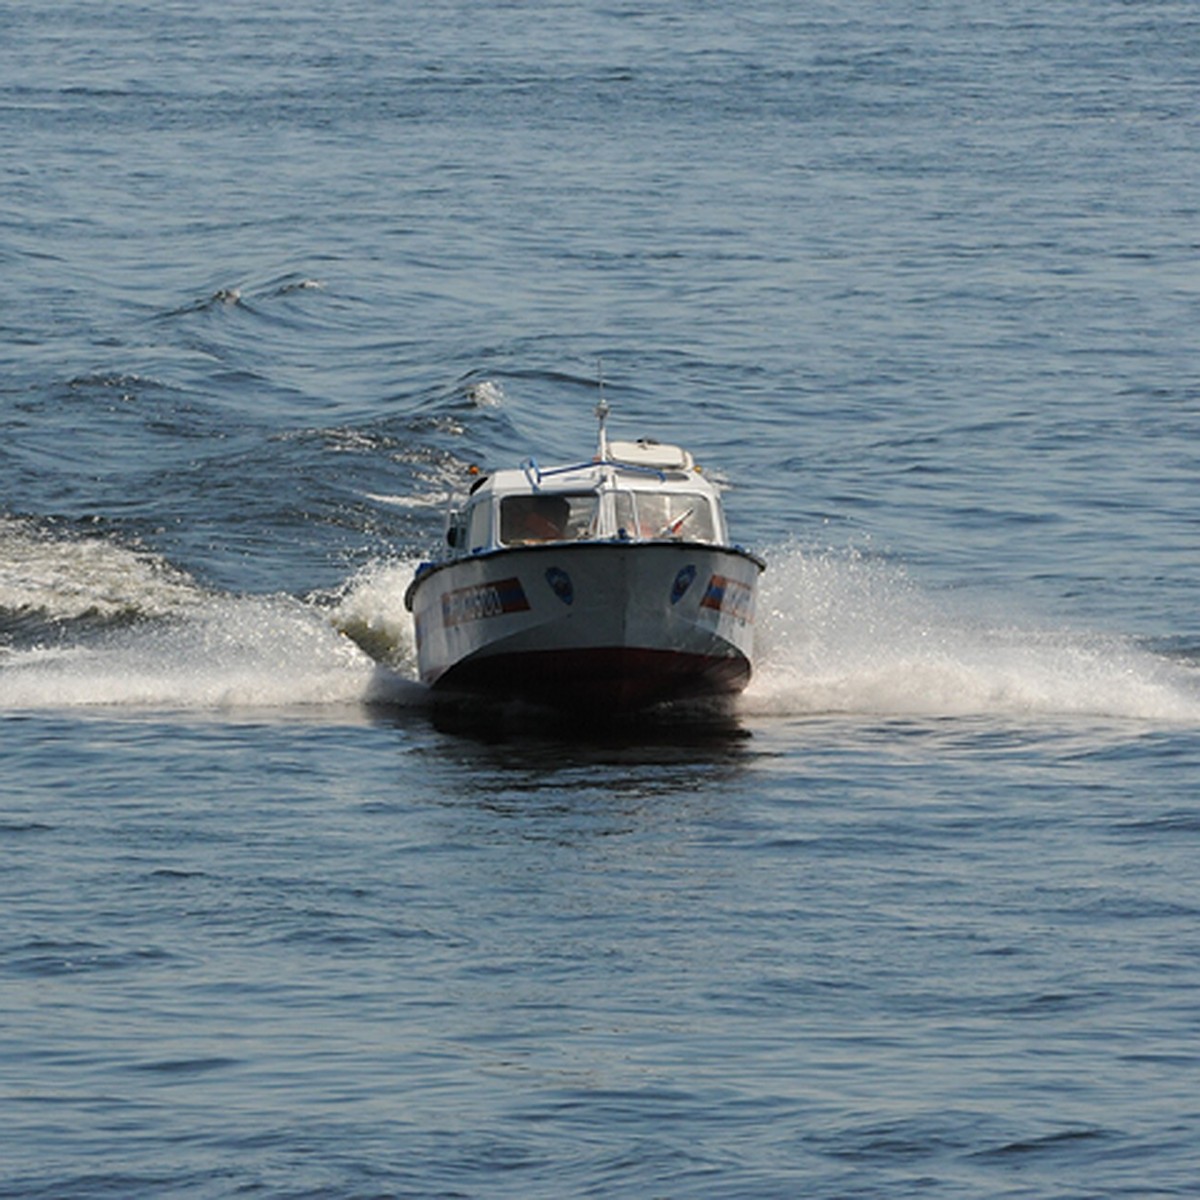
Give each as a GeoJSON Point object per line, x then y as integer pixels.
{"type": "Point", "coordinates": [531, 469]}
{"type": "Point", "coordinates": [639, 467]}
{"type": "Point", "coordinates": [536, 474]}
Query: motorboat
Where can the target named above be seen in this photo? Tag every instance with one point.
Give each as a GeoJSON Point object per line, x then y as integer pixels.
{"type": "Point", "coordinates": [609, 585]}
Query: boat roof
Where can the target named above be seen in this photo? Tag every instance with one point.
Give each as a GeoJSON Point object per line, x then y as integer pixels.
{"type": "Point", "coordinates": [643, 465]}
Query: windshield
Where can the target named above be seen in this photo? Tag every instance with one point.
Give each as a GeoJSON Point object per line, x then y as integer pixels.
{"type": "Point", "coordinates": [547, 517]}
{"type": "Point", "coordinates": [686, 516]}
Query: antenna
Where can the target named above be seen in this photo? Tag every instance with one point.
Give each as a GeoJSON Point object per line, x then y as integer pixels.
{"type": "Point", "coordinates": [602, 412]}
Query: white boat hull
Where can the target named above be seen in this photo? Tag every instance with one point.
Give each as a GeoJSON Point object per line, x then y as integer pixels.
{"type": "Point", "coordinates": [608, 626]}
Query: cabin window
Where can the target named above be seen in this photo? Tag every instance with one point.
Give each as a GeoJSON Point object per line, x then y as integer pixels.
{"type": "Point", "coordinates": [548, 517]}
{"type": "Point", "coordinates": [686, 516]}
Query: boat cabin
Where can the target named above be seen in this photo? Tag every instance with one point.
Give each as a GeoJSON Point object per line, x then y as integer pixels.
{"type": "Point", "coordinates": [640, 491]}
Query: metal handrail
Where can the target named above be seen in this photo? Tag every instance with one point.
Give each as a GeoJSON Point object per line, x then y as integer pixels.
{"type": "Point", "coordinates": [535, 474]}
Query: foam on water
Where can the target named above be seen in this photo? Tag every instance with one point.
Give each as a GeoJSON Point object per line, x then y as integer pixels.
{"type": "Point", "coordinates": [369, 609]}
{"type": "Point", "coordinates": [164, 642]}
{"type": "Point", "coordinates": [840, 632]}
{"type": "Point", "coordinates": [229, 652]}
{"type": "Point", "coordinates": [487, 393]}
{"type": "Point", "coordinates": [67, 578]}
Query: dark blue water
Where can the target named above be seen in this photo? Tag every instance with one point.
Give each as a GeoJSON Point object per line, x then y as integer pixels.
{"type": "Point", "coordinates": [918, 918]}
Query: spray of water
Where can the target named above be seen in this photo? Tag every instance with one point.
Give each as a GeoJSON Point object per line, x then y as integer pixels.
{"type": "Point", "coordinates": [837, 632]}
{"type": "Point", "coordinates": [67, 578]}
{"type": "Point", "coordinates": [369, 609]}
{"type": "Point", "coordinates": [223, 653]}
{"type": "Point", "coordinates": [120, 627]}
{"type": "Point", "coordinates": [841, 632]}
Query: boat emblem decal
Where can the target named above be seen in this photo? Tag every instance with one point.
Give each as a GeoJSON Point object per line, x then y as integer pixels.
{"type": "Point", "coordinates": [560, 583]}
{"type": "Point", "coordinates": [725, 595]}
{"type": "Point", "coordinates": [683, 581]}
{"type": "Point", "coordinates": [483, 600]}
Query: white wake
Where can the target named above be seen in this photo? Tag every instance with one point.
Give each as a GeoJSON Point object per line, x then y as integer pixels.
{"type": "Point", "coordinates": [838, 632]}
{"type": "Point", "coordinates": [121, 627]}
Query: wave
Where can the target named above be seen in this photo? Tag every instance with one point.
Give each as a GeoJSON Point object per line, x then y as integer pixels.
{"type": "Point", "coordinates": [842, 633]}
{"type": "Point", "coordinates": [227, 653]}
{"type": "Point", "coordinates": [61, 577]}
{"type": "Point", "coordinates": [838, 633]}
{"type": "Point", "coordinates": [244, 296]}
{"type": "Point", "coordinates": [106, 625]}
{"type": "Point", "coordinates": [369, 609]}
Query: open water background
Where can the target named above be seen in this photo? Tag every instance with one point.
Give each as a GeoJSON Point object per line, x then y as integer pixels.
{"type": "Point", "coordinates": [919, 281]}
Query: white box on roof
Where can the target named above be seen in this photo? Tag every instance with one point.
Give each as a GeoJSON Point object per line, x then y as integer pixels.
{"type": "Point", "coordinates": [645, 453]}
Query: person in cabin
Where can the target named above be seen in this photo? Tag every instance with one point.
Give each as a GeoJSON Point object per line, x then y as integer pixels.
{"type": "Point", "coordinates": [534, 518]}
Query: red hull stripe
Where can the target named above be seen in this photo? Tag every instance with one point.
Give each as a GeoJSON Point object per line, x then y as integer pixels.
{"type": "Point", "coordinates": [483, 600]}
{"type": "Point", "coordinates": [611, 679]}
